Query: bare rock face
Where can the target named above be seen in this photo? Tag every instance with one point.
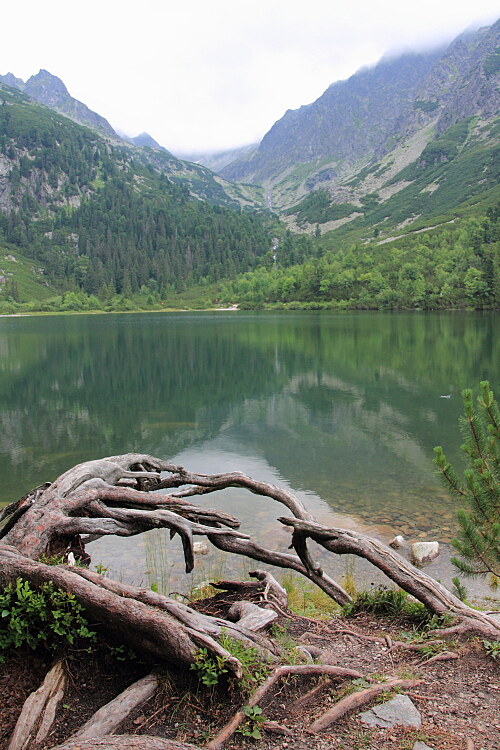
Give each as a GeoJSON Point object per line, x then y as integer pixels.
{"type": "Point", "coordinates": [422, 553]}
{"type": "Point", "coordinates": [400, 711]}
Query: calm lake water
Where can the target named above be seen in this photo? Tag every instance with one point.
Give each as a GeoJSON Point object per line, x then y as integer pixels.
{"type": "Point", "coordinates": [342, 408]}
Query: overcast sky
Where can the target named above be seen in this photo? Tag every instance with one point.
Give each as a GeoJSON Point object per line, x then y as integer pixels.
{"type": "Point", "coordinates": [205, 75]}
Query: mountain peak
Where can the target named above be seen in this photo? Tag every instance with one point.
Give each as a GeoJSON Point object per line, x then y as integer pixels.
{"type": "Point", "coordinates": [144, 139]}
{"type": "Point", "coordinates": [47, 88]}
{"type": "Point", "coordinates": [10, 80]}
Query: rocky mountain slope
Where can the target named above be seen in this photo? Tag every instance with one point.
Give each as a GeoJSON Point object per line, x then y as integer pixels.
{"type": "Point", "coordinates": [51, 91]}
{"type": "Point", "coordinates": [350, 120]}
{"type": "Point", "coordinates": [93, 214]}
{"type": "Point", "coordinates": [369, 137]}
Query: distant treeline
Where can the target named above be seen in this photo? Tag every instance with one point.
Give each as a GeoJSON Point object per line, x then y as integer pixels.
{"type": "Point", "coordinates": [456, 267]}
{"type": "Point", "coordinates": [100, 221]}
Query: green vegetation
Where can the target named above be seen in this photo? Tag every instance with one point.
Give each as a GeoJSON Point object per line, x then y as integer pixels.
{"type": "Point", "coordinates": [102, 220]}
{"type": "Point", "coordinates": [425, 105]}
{"type": "Point", "coordinates": [210, 668]}
{"type": "Point", "coordinates": [47, 616]}
{"type": "Point", "coordinates": [492, 64]}
{"type": "Point", "coordinates": [251, 726]}
{"type": "Point", "coordinates": [394, 603]}
{"type": "Point", "coordinates": [457, 267]}
{"type": "Point", "coordinates": [492, 648]}
{"type": "Point", "coordinates": [478, 542]}
{"type": "Point", "coordinates": [318, 208]}
{"type": "Point", "coordinates": [307, 599]}
{"type": "Point", "coordinates": [255, 670]}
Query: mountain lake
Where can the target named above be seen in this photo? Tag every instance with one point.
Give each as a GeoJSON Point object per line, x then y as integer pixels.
{"type": "Point", "coordinates": [343, 409]}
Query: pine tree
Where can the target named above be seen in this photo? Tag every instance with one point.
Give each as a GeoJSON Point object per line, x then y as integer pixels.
{"type": "Point", "coordinates": [478, 540]}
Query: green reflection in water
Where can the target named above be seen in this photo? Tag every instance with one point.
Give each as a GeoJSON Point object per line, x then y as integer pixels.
{"type": "Point", "coordinates": [344, 406]}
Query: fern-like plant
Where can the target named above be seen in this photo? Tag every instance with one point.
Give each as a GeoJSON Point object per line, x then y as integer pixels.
{"type": "Point", "coordinates": [478, 540]}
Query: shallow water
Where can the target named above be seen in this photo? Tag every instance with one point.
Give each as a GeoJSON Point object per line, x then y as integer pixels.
{"type": "Point", "coordinates": [343, 409]}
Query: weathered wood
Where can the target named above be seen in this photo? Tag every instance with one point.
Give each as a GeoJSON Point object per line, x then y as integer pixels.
{"type": "Point", "coordinates": [97, 498]}
{"type": "Point", "coordinates": [148, 622]}
{"type": "Point", "coordinates": [250, 616]}
{"type": "Point", "coordinates": [109, 717]}
{"type": "Point", "coordinates": [413, 580]}
{"type": "Point", "coordinates": [443, 656]}
{"type": "Point", "coordinates": [39, 710]}
{"type": "Point", "coordinates": [271, 587]}
{"type": "Point", "coordinates": [355, 700]}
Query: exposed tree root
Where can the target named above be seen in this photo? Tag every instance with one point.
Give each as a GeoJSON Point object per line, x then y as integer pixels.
{"type": "Point", "coordinates": [443, 656]}
{"type": "Point", "coordinates": [355, 700]}
{"type": "Point", "coordinates": [424, 588]}
{"type": "Point", "coordinates": [109, 717]}
{"type": "Point", "coordinates": [301, 669]}
{"type": "Point", "coordinates": [39, 710]}
{"type": "Point", "coordinates": [117, 496]}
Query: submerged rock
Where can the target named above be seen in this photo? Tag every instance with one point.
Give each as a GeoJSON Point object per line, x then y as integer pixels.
{"type": "Point", "coordinates": [422, 553]}
{"type": "Point", "coordinates": [397, 542]}
{"type": "Point", "coordinates": [200, 548]}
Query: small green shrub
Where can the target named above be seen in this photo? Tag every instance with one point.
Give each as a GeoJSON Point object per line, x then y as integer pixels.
{"type": "Point", "coordinates": [209, 668]}
{"type": "Point", "coordinates": [392, 603]}
{"type": "Point", "coordinates": [492, 648]}
{"type": "Point", "coordinates": [251, 726]}
{"type": "Point", "coordinates": [255, 670]}
{"type": "Point", "coordinates": [47, 616]}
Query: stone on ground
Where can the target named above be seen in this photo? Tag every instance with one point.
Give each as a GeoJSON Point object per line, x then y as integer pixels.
{"type": "Point", "coordinates": [400, 711]}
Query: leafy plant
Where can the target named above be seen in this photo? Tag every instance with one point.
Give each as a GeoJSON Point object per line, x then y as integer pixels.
{"type": "Point", "coordinates": [47, 616]}
{"type": "Point", "coordinates": [208, 667]}
{"type": "Point", "coordinates": [123, 653]}
{"type": "Point", "coordinates": [388, 602]}
{"type": "Point", "coordinates": [478, 541]}
{"type": "Point", "coordinates": [252, 725]}
{"type": "Point", "coordinates": [492, 648]}
{"type": "Point", "coordinates": [255, 670]}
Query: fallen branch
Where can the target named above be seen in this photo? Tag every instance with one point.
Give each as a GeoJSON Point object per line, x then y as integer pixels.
{"type": "Point", "coordinates": [355, 700]}
{"type": "Point", "coordinates": [284, 671]}
{"type": "Point", "coordinates": [39, 710]}
{"type": "Point", "coordinates": [109, 717]}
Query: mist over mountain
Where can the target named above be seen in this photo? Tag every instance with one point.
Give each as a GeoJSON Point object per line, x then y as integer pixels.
{"type": "Point", "coordinates": [407, 145]}
{"type": "Point", "coordinates": [357, 121]}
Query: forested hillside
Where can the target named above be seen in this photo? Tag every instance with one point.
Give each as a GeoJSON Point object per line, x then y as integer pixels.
{"type": "Point", "coordinates": [93, 217]}
{"type": "Point", "coordinates": [384, 194]}
{"type": "Point", "coordinates": [454, 267]}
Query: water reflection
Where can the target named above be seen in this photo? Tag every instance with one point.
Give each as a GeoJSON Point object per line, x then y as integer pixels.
{"type": "Point", "coordinates": [343, 407]}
